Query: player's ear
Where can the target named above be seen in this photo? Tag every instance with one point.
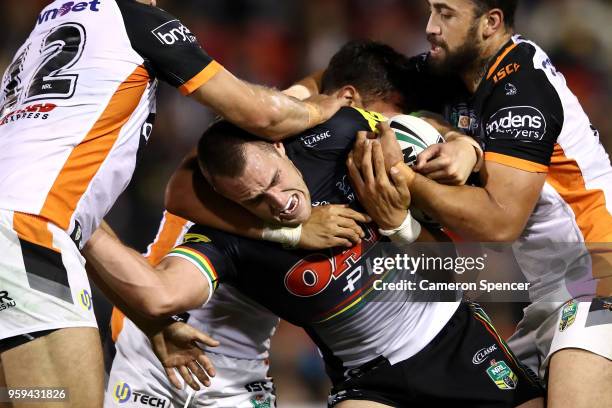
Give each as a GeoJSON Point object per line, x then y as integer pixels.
{"type": "Point", "coordinates": [351, 94]}
{"type": "Point", "coordinates": [280, 148]}
{"type": "Point", "coordinates": [493, 22]}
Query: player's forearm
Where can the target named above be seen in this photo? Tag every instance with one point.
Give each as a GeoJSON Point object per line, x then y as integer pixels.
{"type": "Point", "coordinates": [148, 325]}
{"type": "Point", "coordinates": [483, 219]}
{"type": "Point", "coordinates": [263, 111]}
{"type": "Point", "coordinates": [128, 275]}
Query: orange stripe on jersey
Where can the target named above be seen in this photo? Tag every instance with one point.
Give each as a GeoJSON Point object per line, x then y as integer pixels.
{"type": "Point", "coordinates": [589, 206]}
{"type": "Point", "coordinates": [201, 78]}
{"type": "Point", "coordinates": [515, 162]}
{"type": "Point", "coordinates": [170, 231]}
{"type": "Point", "coordinates": [34, 229]}
{"type": "Point", "coordinates": [500, 59]}
{"type": "Point", "coordinates": [87, 157]}
{"type": "Point", "coordinates": [116, 323]}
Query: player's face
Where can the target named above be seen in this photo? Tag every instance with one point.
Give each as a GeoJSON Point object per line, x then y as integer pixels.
{"type": "Point", "coordinates": [271, 187]}
{"type": "Point", "coordinates": [454, 34]}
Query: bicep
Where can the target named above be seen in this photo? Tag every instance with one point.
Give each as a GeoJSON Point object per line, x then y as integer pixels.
{"type": "Point", "coordinates": [190, 287]}
{"type": "Point", "coordinates": [515, 190]}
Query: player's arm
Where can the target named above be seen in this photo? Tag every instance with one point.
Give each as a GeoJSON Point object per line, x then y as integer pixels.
{"type": "Point", "coordinates": [173, 54]}
{"type": "Point", "coordinates": [517, 157]}
{"type": "Point", "coordinates": [174, 286]}
{"type": "Point", "coordinates": [386, 198]}
{"type": "Point", "coordinates": [452, 162]}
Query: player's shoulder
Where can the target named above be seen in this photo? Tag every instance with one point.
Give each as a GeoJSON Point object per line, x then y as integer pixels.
{"type": "Point", "coordinates": [208, 236]}
{"type": "Point", "coordinates": [145, 16]}
{"type": "Point", "coordinates": [354, 119]}
{"type": "Point", "coordinates": [521, 59]}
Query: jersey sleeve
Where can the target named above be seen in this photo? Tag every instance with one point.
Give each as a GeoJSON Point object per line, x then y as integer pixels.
{"type": "Point", "coordinates": [212, 258]}
{"type": "Point", "coordinates": [523, 116]}
{"type": "Point", "coordinates": [168, 47]}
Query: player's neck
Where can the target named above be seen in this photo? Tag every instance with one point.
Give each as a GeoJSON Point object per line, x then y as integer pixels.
{"type": "Point", "coordinates": [477, 72]}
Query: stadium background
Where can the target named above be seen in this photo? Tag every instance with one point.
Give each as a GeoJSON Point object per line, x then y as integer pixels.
{"type": "Point", "coordinates": [275, 42]}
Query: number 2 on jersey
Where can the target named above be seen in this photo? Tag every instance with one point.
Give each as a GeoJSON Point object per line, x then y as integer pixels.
{"type": "Point", "coordinates": [60, 50]}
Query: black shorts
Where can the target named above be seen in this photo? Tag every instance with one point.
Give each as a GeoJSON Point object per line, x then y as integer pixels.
{"type": "Point", "coordinates": [466, 365]}
{"type": "Point", "coordinates": [15, 341]}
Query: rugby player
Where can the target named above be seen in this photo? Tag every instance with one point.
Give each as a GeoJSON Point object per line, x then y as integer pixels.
{"type": "Point", "coordinates": [76, 104]}
{"type": "Point", "coordinates": [371, 348]}
{"type": "Point", "coordinates": [546, 181]}
{"type": "Point", "coordinates": [243, 327]}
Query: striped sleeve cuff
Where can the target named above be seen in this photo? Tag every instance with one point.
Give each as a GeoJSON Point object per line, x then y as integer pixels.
{"type": "Point", "coordinates": [200, 261]}
{"type": "Point", "coordinates": [201, 78]}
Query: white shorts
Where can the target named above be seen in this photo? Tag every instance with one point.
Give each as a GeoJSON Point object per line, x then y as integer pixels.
{"type": "Point", "coordinates": [43, 283]}
{"type": "Point", "coordinates": [548, 327]}
{"type": "Point", "coordinates": [137, 379]}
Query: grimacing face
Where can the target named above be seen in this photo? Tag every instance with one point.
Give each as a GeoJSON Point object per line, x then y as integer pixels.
{"type": "Point", "coordinates": [453, 32]}
{"type": "Point", "coordinates": [271, 187]}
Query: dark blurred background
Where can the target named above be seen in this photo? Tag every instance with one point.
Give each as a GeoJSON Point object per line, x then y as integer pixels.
{"type": "Point", "coordinates": [276, 42]}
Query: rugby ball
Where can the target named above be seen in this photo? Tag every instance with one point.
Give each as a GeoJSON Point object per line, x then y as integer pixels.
{"type": "Point", "coordinates": [415, 135]}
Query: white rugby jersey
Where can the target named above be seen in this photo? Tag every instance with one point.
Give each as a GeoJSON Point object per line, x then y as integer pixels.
{"type": "Point", "coordinates": [243, 327]}
{"type": "Point", "coordinates": [530, 120]}
{"type": "Point", "coordinates": [78, 102]}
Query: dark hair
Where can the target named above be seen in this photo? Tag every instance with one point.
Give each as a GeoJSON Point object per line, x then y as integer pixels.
{"type": "Point", "coordinates": [507, 6]}
{"type": "Point", "coordinates": [221, 149]}
{"type": "Point", "coordinates": [373, 68]}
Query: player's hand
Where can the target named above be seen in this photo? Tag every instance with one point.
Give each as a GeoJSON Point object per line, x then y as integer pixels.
{"type": "Point", "coordinates": [391, 150]}
{"type": "Point", "coordinates": [324, 107]}
{"type": "Point", "coordinates": [447, 163]}
{"type": "Point", "coordinates": [386, 201]}
{"type": "Point", "coordinates": [177, 349]}
{"type": "Point", "coordinates": [332, 226]}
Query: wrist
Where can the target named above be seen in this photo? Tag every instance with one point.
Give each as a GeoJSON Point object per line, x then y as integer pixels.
{"type": "Point", "coordinates": [406, 233]}
{"type": "Point", "coordinates": [460, 137]}
{"type": "Point", "coordinates": [407, 172]}
{"type": "Point", "coordinates": [286, 236]}
{"type": "Point", "coordinates": [314, 114]}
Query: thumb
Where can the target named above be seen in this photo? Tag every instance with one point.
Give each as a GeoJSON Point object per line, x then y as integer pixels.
{"type": "Point", "coordinates": [203, 338]}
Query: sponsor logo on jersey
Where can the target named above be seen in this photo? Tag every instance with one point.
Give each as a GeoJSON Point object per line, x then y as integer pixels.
{"type": "Point", "coordinates": [506, 71]}
{"type": "Point", "coordinates": [259, 386]}
{"type": "Point", "coordinates": [568, 315]}
{"type": "Point", "coordinates": [69, 6]}
{"type": "Point", "coordinates": [464, 117]}
{"type": "Point", "coordinates": [261, 401]}
{"type": "Point", "coordinates": [85, 300]}
{"type": "Point", "coordinates": [313, 140]}
{"type": "Point", "coordinates": [122, 393]}
{"type": "Point", "coordinates": [191, 237]}
{"type": "Point", "coordinates": [481, 355]}
{"type": "Point", "coordinates": [6, 302]}
{"type": "Point", "coordinates": [510, 89]}
{"type": "Point", "coordinates": [517, 122]}
{"type": "Point", "coordinates": [344, 186]}
{"type": "Point", "coordinates": [173, 32]}
{"type": "Point", "coordinates": [36, 111]}
{"type": "Point", "coordinates": [502, 375]}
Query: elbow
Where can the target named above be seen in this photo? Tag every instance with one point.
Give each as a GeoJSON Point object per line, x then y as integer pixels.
{"type": "Point", "coordinates": [160, 306]}
{"type": "Point", "coordinates": [265, 123]}
{"type": "Point", "coordinates": [502, 233]}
